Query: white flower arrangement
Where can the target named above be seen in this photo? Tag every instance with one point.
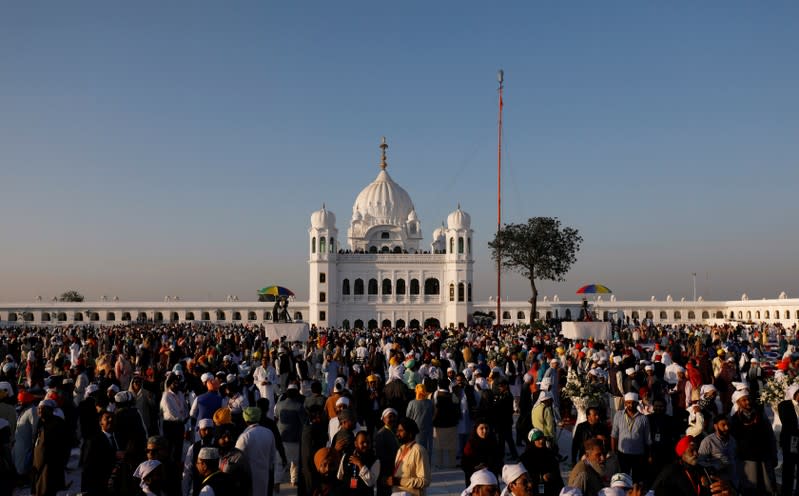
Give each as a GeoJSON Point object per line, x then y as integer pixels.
{"type": "Point", "coordinates": [578, 386]}
{"type": "Point", "coordinates": [774, 390]}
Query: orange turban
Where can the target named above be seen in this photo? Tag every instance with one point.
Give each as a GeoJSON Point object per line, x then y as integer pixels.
{"type": "Point", "coordinates": [223, 416]}
{"type": "Point", "coordinates": [320, 457]}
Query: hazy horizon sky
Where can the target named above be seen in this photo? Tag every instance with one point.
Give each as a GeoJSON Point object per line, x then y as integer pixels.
{"type": "Point", "coordinates": [179, 148]}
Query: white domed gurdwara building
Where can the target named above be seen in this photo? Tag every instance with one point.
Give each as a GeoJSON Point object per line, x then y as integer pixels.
{"type": "Point", "coordinates": [383, 275]}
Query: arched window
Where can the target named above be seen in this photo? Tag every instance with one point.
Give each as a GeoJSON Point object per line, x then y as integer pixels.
{"type": "Point", "coordinates": [492, 315]}
{"type": "Point", "coordinates": [386, 287]}
{"type": "Point", "coordinates": [372, 249]}
{"type": "Point", "coordinates": [77, 317]}
{"type": "Point", "coordinates": [768, 314]}
{"type": "Point", "coordinates": [505, 315]}
{"type": "Point", "coordinates": [549, 315]}
{"type": "Point", "coordinates": [220, 315]}
{"type": "Point", "coordinates": [748, 315]}
{"type": "Point", "coordinates": [298, 316]}
{"type": "Point", "coordinates": [110, 316]}
{"type": "Point", "coordinates": [469, 292]}
{"type": "Point", "coordinates": [206, 316]}
{"type": "Point", "coordinates": [385, 323]}
{"type": "Point", "coordinates": [267, 315]}
{"type": "Point", "coordinates": [691, 315]}
{"type": "Point", "coordinates": [158, 317]}
{"type": "Point", "coordinates": [322, 244]}
{"type": "Point", "coordinates": [413, 324]}
{"type": "Point", "coordinates": [520, 315]}
{"type": "Point", "coordinates": [740, 314]}
{"type": "Point", "coordinates": [468, 245]}
{"type": "Point", "coordinates": [568, 314]}
{"type": "Point", "coordinates": [372, 289]}
{"type": "Point", "coordinates": [125, 316]}
{"type": "Point", "coordinates": [384, 249]}
{"type": "Point", "coordinates": [313, 244]}
{"type": "Point", "coordinates": [452, 245]}
{"type": "Point", "coordinates": [400, 286]}
{"type": "Point", "coordinates": [635, 315]}
{"type": "Point", "coordinates": [372, 324]}
{"type": "Point", "coordinates": [663, 315]}
{"type": "Point", "coordinates": [345, 287]}
{"type": "Point", "coordinates": [650, 315]}
{"type": "Point", "coordinates": [358, 286]}
{"type": "Point", "coordinates": [460, 244]}
{"type": "Point", "coordinates": [461, 292]}
{"type": "Point", "coordinates": [358, 324]}
{"type": "Point", "coordinates": [719, 314]}
{"type": "Point", "coordinates": [345, 324]}
{"type": "Point", "coordinates": [400, 324]}
{"type": "Point", "coordinates": [732, 315]}
{"type": "Point", "coordinates": [322, 297]}
{"type": "Point", "coordinates": [189, 316]}
{"type": "Point", "coordinates": [397, 249]}
{"type": "Point", "coordinates": [414, 286]}
{"type": "Point", "coordinates": [332, 245]}
{"type": "Point", "coordinates": [705, 315]}
{"type": "Point", "coordinates": [322, 316]}
{"type": "Point", "coordinates": [431, 286]}
{"type": "Point", "coordinates": [776, 314]}
{"type": "Point", "coordinates": [236, 315]}
{"type": "Point", "coordinates": [797, 315]}
{"type": "Point", "coordinates": [173, 317]}
{"type": "Point", "coordinates": [451, 292]}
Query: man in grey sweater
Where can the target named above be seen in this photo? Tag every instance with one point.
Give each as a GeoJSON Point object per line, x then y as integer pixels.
{"type": "Point", "coordinates": [718, 450]}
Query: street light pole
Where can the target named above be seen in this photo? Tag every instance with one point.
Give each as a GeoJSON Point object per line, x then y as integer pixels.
{"type": "Point", "coordinates": [694, 277]}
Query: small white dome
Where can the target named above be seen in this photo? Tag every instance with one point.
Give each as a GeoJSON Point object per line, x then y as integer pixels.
{"type": "Point", "coordinates": [323, 219]}
{"type": "Point", "coordinates": [459, 219]}
{"type": "Point", "coordinates": [439, 232]}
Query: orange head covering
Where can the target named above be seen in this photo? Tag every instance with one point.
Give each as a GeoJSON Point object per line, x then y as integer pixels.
{"type": "Point", "coordinates": [320, 457]}
{"type": "Point", "coordinates": [421, 392]}
{"type": "Point", "coordinates": [223, 416]}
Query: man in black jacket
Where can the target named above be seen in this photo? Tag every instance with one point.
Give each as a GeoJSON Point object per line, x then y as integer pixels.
{"type": "Point", "coordinates": [101, 454]}
{"type": "Point", "coordinates": [591, 428]}
{"type": "Point", "coordinates": [789, 438]}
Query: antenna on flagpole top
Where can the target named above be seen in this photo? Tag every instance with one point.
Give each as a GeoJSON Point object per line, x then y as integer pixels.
{"type": "Point", "coordinates": [501, 76]}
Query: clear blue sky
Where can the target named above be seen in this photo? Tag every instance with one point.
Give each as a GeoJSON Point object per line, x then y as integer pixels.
{"type": "Point", "coordinates": [178, 148]}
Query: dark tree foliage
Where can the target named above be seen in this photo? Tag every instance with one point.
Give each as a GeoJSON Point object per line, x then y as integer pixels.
{"type": "Point", "coordinates": [71, 295]}
{"type": "Point", "coordinates": [539, 250]}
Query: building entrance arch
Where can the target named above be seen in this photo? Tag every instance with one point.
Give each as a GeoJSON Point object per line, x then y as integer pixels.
{"type": "Point", "coordinates": [432, 322]}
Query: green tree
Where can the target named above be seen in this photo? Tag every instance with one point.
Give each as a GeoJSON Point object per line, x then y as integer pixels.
{"type": "Point", "coordinates": [539, 250]}
{"type": "Point", "coordinates": [71, 295]}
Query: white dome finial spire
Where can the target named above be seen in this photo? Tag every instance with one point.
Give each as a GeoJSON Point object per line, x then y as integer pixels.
{"type": "Point", "coordinates": [383, 148]}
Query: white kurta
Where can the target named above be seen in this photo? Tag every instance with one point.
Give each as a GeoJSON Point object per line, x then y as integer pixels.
{"type": "Point", "coordinates": [260, 377]}
{"type": "Point", "coordinates": [258, 445]}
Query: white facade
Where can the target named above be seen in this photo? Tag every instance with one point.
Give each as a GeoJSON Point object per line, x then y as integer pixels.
{"type": "Point", "coordinates": [383, 276]}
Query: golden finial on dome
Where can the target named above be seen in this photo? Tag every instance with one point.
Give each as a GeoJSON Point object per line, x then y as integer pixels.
{"type": "Point", "coordinates": [383, 147]}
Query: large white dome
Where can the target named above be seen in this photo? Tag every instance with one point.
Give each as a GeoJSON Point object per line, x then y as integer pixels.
{"type": "Point", "coordinates": [384, 202]}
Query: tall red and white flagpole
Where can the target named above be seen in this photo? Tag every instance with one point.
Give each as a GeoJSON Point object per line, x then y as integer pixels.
{"type": "Point", "coordinates": [501, 79]}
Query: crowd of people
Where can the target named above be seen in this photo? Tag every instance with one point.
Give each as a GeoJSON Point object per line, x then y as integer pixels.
{"type": "Point", "coordinates": [203, 409]}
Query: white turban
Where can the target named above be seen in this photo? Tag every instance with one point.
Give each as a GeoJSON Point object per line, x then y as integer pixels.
{"type": "Point", "coordinates": [512, 472]}
{"type": "Point", "coordinates": [571, 491]}
{"type": "Point", "coordinates": [387, 411]}
{"type": "Point", "coordinates": [343, 401]}
{"type": "Point", "coordinates": [737, 395]}
{"type": "Point", "coordinates": [707, 388]}
{"type": "Point", "coordinates": [631, 397]}
{"type": "Point", "coordinates": [483, 477]}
